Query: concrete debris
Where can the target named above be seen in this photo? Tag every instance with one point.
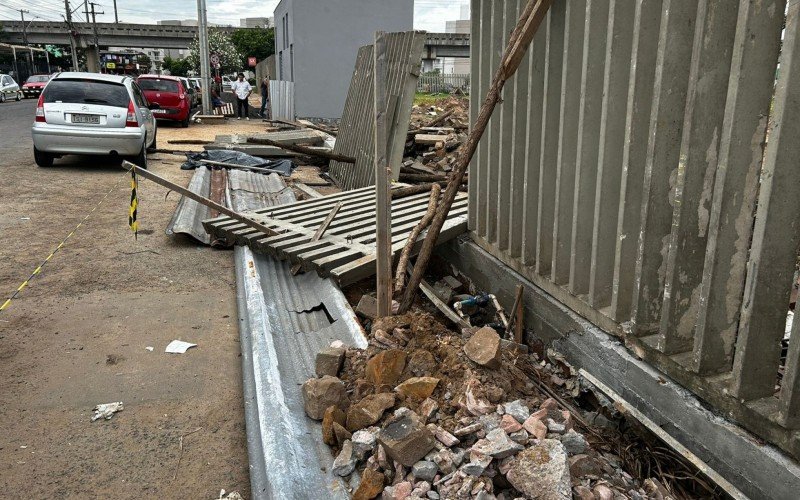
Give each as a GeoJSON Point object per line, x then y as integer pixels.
{"type": "Point", "coordinates": [574, 442]}
{"type": "Point", "coordinates": [329, 361]}
{"type": "Point", "coordinates": [418, 387]}
{"type": "Point", "coordinates": [333, 414]}
{"type": "Point", "coordinates": [428, 409]}
{"type": "Point", "coordinates": [371, 485]}
{"type": "Point", "coordinates": [484, 348]}
{"type": "Point", "coordinates": [542, 471]}
{"type": "Point", "coordinates": [443, 436]}
{"type": "Point", "coordinates": [518, 410]}
{"type": "Point", "coordinates": [346, 460]}
{"type": "Point", "coordinates": [496, 444]}
{"type": "Point", "coordinates": [406, 440]}
{"type": "Point", "coordinates": [386, 367]}
{"type": "Point", "coordinates": [509, 424]}
{"type": "Point", "coordinates": [535, 427]}
{"type": "Point", "coordinates": [320, 393]}
{"type": "Point", "coordinates": [367, 307]}
{"type": "Point", "coordinates": [368, 411]}
{"type": "Point", "coordinates": [424, 470]}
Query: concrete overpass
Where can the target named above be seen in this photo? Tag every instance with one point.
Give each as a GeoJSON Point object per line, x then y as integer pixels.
{"type": "Point", "coordinates": [177, 37]}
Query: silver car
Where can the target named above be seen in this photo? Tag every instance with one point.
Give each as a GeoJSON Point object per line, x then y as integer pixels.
{"type": "Point", "coordinates": [9, 89]}
{"type": "Point", "coordinates": [93, 114]}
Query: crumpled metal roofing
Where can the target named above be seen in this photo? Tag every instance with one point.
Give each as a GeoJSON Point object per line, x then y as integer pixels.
{"type": "Point", "coordinates": [284, 321]}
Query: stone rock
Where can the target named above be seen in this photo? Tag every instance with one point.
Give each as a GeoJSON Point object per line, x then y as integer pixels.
{"type": "Point", "coordinates": [555, 427]}
{"type": "Point", "coordinates": [425, 470]}
{"type": "Point", "coordinates": [367, 307]}
{"type": "Point", "coordinates": [477, 464]}
{"type": "Point", "coordinates": [510, 424]}
{"type": "Point", "coordinates": [428, 409]}
{"type": "Point", "coordinates": [433, 495]}
{"type": "Point", "coordinates": [421, 489]}
{"type": "Point", "coordinates": [549, 404]}
{"type": "Point", "coordinates": [518, 410]}
{"type": "Point", "coordinates": [535, 427]}
{"type": "Point", "coordinates": [364, 441]}
{"type": "Point", "coordinates": [574, 442]}
{"type": "Point", "coordinates": [371, 485]}
{"type": "Point", "coordinates": [332, 414]}
{"type": "Point", "coordinates": [402, 490]}
{"type": "Point", "coordinates": [368, 411]}
{"type": "Point", "coordinates": [521, 437]}
{"type": "Point", "coordinates": [603, 492]}
{"type": "Point", "coordinates": [446, 461]}
{"type": "Point", "coordinates": [476, 405]}
{"type": "Point", "coordinates": [484, 348]}
{"type": "Point", "coordinates": [406, 440]}
{"type": "Point", "coordinates": [542, 472]}
{"type": "Point", "coordinates": [467, 430]}
{"type": "Point", "coordinates": [345, 462]}
{"type": "Point", "coordinates": [443, 436]}
{"type": "Point", "coordinates": [382, 459]}
{"type": "Point", "coordinates": [329, 361]}
{"type": "Point", "coordinates": [490, 422]}
{"type": "Point", "coordinates": [497, 444]}
{"type": "Point", "coordinates": [341, 433]}
{"type": "Point", "coordinates": [568, 422]}
{"type": "Point", "coordinates": [320, 393]}
{"type": "Point", "coordinates": [583, 493]}
{"type": "Point", "coordinates": [421, 363]}
{"type": "Point", "coordinates": [386, 367]}
{"type": "Point", "coordinates": [584, 465]}
{"type": "Point", "coordinates": [418, 387]}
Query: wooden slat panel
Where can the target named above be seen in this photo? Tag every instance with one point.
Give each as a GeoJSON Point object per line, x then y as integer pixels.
{"type": "Point", "coordinates": [474, 103]}
{"type": "Point", "coordinates": [494, 128]}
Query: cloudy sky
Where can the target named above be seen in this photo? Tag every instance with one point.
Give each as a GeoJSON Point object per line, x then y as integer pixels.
{"type": "Point", "coordinates": [429, 15]}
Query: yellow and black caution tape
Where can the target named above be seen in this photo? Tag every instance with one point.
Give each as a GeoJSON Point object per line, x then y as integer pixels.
{"type": "Point", "coordinates": [64, 241]}
{"type": "Point", "coordinates": [134, 204]}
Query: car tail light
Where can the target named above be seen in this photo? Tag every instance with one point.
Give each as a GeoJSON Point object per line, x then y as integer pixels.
{"type": "Point", "coordinates": [40, 109]}
{"type": "Point", "coordinates": [181, 96]}
{"type": "Point", "coordinates": [131, 120]}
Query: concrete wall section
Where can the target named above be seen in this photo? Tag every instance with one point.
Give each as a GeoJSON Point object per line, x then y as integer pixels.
{"type": "Point", "coordinates": [323, 40]}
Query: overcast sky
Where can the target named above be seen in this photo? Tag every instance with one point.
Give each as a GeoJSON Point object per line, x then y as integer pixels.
{"type": "Point", "coordinates": [429, 15]}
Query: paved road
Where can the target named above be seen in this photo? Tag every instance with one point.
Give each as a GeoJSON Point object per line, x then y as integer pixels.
{"type": "Point", "coordinates": [16, 119]}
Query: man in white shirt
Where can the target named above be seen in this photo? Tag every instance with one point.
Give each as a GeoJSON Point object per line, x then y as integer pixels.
{"type": "Point", "coordinates": [241, 88]}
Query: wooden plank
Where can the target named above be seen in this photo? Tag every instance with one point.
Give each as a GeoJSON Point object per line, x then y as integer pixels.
{"type": "Point", "coordinates": [321, 230]}
{"type": "Point", "coordinates": [383, 211]}
{"type": "Point", "coordinates": [307, 190]}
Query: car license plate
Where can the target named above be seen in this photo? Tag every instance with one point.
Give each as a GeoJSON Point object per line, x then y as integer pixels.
{"type": "Point", "coordinates": [156, 111]}
{"type": "Point", "coordinates": [86, 119]}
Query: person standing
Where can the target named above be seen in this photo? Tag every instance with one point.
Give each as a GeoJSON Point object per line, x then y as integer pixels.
{"type": "Point", "coordinates": [264, 95]}
{"type": "Point", "coordinates": [242, 89]}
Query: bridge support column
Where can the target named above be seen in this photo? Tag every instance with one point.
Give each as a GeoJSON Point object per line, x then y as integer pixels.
{"type": "Point", "coordinates": [92, 60]}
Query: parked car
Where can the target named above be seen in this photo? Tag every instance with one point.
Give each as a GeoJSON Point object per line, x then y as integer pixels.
{"type": "Point", "coordinates": [170, 94]}
{"type": "Point", "coordinates": [9, 89]}
{"type": "Point", "coordinates": [226, 83]}
{"type": "Point", "coordinates": [193, 98]}
{"type": "Point", "coordinates": [93, 114]}
{"type": "Point", "coordinates": [34, 84]}
{"type": "Point", "coordinates": [198, 88]}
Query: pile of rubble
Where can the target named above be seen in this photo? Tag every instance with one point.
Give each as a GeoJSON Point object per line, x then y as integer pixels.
{"type": "Point", "coordinates": [424, 412]}
{"type": "Point", "coordinates": [435, 135]}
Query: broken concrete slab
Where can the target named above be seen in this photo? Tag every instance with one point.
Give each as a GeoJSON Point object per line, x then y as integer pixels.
{"type": "Point", "coordinates": [542, 471]}
{"type": "Point", "coordinates": [369, 410]}
{"type": "Point", "coordinates": [406, 440]}
{"type": "Point", "coordinates": [329, 361]}
{"type": "Point", "coordinates": [320, 393]}
{"type": "Point", "coordinates": [484, 348]}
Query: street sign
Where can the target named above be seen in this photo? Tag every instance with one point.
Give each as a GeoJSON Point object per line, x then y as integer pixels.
{"type": "Point", "coordinates": [214, 59]}
{"type": "Point", "coordinates": [251, 61]}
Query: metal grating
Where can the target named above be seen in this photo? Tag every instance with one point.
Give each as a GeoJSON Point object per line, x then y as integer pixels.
{"type": "Point", "coordinates": [346, 252]}
{"type": "Point", "coordinates": [356, 136]}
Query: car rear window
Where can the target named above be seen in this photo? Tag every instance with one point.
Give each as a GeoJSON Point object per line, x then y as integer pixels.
{"type": "Point", "coordinates": [87, 92]}
{"type": "Point", "coordinates": [37, 79]}
{"type": "Point", "coordinates": [158, 85]}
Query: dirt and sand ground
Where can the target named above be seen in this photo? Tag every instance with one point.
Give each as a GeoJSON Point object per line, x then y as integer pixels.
{"type": "Point", "coordinates": [77, 335]}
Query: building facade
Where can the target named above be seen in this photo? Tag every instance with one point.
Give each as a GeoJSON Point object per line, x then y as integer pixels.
{"type": "Point", "coordinates": [316, 45]}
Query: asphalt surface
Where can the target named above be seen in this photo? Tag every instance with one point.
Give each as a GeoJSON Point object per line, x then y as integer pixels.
{"type": "Point", "coordinates": [16, 119]}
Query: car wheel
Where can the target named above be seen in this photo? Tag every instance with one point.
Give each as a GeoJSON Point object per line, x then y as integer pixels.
{"type": "Point", "coordinates": [153, 145]}
{"type": "Point", "coordinates": [2, 97]}
{"type": "Point", "coordinates": [42, 159]}
{"type": "Point", "coordinates": [140, 159]}
{"type": "Point", "coordinates": [185, 123]}
{"type": "Point", "coordinates": [19, 97]}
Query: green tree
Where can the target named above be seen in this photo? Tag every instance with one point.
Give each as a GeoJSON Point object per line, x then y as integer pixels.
{"type": "Point", "coordinates": [144, 60]}
{"type": "Point", "coordinates": [176, 67]}
{"type": "Point", "coordinates": [219, 43]}
{"type": "Point", "coordinates": [254, 42]}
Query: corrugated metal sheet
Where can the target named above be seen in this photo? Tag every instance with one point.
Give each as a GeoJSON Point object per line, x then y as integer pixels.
{"type": "Point", "coordinates": [284, 321]}
{"type": "Point", "coordinates": [357, 128]}
{"type": "Point", "coordinates": [281, 99]}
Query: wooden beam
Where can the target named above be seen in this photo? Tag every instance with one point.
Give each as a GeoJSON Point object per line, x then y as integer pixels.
{"type": "Point", "coordinates": [245, 167]}
{"type": "Point", "coordinates": [302, 150]}
{"type": "Point", "coordinates": [320, 231]}
{"type": "Point", "coordinates": [199, 199]}
{"type": "Point", "coordinates": [518, 43]}
{"type": "Point", "coordinates": [383, 220]}
{"type": "Point", "coordinates": [306, 190]}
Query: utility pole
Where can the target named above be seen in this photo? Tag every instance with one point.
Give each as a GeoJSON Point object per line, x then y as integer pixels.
{"type": "Point", "coordinates": [71, 30]}
{"type": "Point", "coordinates": [86, 9]}
{"type": "Point", "coordinates": [96, 54]}
{"type": "Point", "coordinates": [116, 19]}
{"type": "Point", "coordinates": [22, 13]}
{"type": "Point", "coordinates": [205, 69]}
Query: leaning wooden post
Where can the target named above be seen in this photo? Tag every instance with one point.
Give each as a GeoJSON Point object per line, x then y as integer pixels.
{"type": "Point", "coordinates": [518, 43]}
{"type": "Point", "coordinates": [383, 200]}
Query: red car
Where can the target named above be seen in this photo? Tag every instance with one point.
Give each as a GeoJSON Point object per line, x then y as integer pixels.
{"type": "Point", "coordinates": [34, 85]}
{"type": "Point", "coordinates": [170, 94]}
